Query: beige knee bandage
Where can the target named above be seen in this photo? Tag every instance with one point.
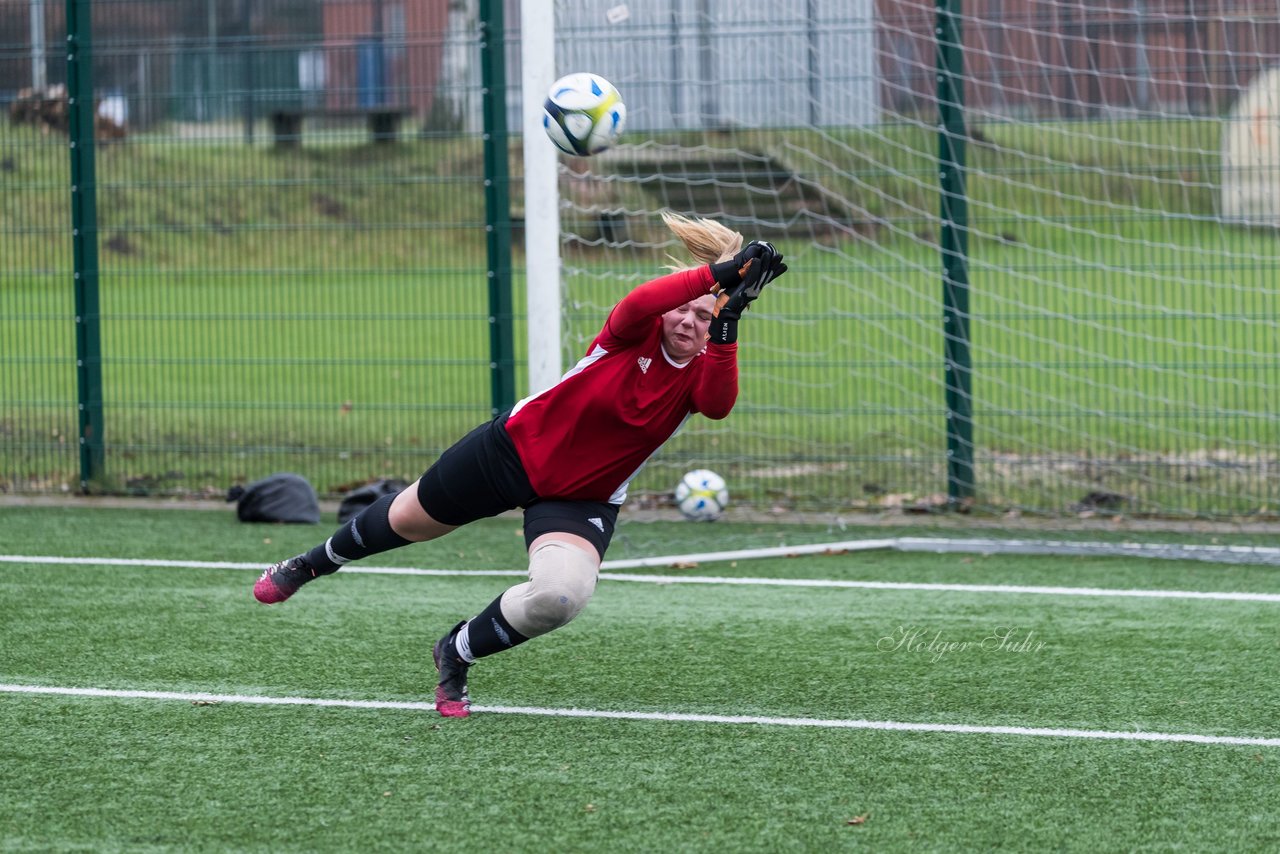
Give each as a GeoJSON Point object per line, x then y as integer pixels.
{"type": "Point", "coordinates": [561, 580]}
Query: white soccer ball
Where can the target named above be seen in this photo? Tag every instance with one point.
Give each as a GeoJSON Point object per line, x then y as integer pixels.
{"type": "Point", "coordinates": [702, 495]}
{"type": "Point", "coordinates": [583, 114]}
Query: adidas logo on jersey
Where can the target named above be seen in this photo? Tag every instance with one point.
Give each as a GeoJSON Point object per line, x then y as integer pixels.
{"type": "Point", "coordinates": [644, 362]}
{"type": "Point", "coordinates": [596, 520]}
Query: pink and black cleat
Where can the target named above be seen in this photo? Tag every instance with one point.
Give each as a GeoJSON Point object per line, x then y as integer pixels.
{"type": "Point", "coordinates": [282, 580]}
{"type": "Point", "coordinates": [451, 692]}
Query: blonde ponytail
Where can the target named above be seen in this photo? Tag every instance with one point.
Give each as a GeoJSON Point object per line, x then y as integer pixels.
{"type": "Point", "coordinates": [706, 240]}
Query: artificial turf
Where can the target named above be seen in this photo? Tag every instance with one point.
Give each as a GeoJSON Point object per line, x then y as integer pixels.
{"type": "Point", "coordinates": [152, 774]}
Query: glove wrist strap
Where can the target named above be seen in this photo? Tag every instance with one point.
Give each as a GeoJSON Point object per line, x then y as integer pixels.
{"type": "Point", "coordinates": [723, 329]}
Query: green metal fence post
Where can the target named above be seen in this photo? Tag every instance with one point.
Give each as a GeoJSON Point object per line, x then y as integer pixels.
{"type": "Point", "coordinates": [497, 204]}
{"type": "Point", "coordinates": [84, 239]}
{"type": "Point", "coordinates": [955, 252]}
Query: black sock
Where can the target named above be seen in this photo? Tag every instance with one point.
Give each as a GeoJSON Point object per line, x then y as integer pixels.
{"type": "Point", "coordinates": [369, 533]}
{"type": "Point", "coordinates": [486, 633]}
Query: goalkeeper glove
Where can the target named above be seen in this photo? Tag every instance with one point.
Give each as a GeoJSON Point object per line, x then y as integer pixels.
{"type": "Point", "coordinates": [760, 267]}
{"type": "Point", "coordinates": [729, 274]}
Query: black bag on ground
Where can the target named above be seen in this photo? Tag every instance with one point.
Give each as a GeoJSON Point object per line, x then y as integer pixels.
{"type": "Point", "coordinates": [282, 497]}
{"type": "Point", "coordinates": [358, 499]}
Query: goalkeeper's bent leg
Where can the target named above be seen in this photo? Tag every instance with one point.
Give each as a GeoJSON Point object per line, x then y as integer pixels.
{"type": "Point", "coordinates": [562, 579]}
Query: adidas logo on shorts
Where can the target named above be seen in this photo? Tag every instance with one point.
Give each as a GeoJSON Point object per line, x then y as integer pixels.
{"type": "Point", "coordinates": [598, 522]}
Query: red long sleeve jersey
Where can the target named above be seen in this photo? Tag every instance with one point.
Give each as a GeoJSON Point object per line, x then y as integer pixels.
{"type": "Point", "coordinates": [587, 436]}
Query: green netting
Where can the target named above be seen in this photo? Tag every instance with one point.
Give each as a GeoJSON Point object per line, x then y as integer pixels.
{"type": "Point", "coordinates": [292, 243]}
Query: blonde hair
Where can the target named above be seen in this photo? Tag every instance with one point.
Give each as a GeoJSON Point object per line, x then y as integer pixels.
{"type": "Point", "coordinates": [706, 240]}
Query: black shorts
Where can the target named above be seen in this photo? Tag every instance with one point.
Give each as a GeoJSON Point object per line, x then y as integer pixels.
{"type": "Point", "coordinates": [481, 476]}
{"type": "Point", "coordinates": [593, 520]}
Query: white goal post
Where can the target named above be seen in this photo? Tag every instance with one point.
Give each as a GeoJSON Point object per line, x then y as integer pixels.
{"type": "Point", "coordinates": [541, 196]}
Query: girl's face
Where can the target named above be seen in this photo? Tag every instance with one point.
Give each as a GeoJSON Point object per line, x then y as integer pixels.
{"type": "Point", "coordinates": [684, 329]}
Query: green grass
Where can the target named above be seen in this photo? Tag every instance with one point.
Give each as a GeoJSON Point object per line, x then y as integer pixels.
{"type": "Point", "coordinates": [326, 311]}
{"type": "Point", "coordinates": [143, 774]}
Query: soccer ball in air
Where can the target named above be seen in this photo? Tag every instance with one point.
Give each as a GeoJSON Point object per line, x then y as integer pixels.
{"type": "Point", "coordinates": [701, 495]}
{"type": "Point", "coordinates": [583, 114]}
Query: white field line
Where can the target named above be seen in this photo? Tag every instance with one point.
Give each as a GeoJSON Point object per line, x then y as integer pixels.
{"type": "Point", "coordinates": [635, 563]}
{"type": "Point", "coordinates": [1265, 555]}
{"type": "Point", "coordinates": [670, 717]}
{"type": "Point", "coordinates": [748, 581]}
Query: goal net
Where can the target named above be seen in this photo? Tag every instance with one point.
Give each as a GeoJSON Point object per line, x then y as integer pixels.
{"type": "Point", "coordinates": [1120, 166]}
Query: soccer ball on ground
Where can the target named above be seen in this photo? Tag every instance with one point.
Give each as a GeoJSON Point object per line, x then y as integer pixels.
{"type": "Point", "coordinates": [583, 114]}
{"type": "Point", "coordinates": [702, 495]}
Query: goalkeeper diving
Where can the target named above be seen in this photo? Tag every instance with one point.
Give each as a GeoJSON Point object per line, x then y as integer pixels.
{"type": "Point", "coordinates": [668, 350]}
